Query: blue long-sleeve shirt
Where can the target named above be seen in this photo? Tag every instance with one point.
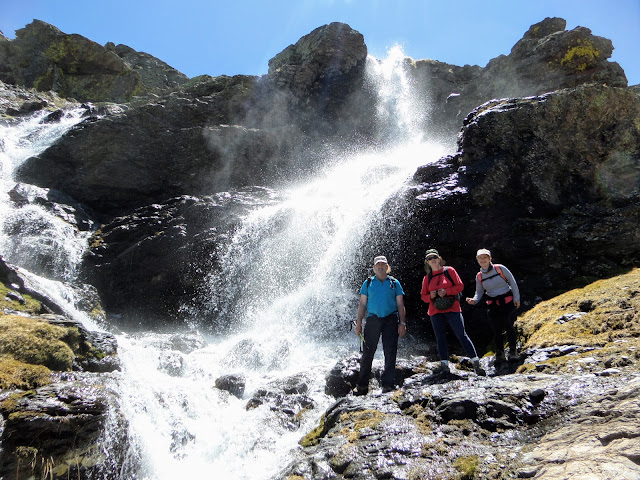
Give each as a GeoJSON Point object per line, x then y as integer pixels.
{"type": "Point", "coordinates": [493, 284]}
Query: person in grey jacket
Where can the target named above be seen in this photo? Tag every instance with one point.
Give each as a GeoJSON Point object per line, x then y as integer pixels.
{"type": "Point", "coordinates": [497, 285]}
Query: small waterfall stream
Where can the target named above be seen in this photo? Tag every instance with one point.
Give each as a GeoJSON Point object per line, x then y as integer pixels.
{"type": "Point", "coordinates": [286, 263]}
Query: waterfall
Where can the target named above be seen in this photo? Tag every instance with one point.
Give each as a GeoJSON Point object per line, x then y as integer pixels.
{"type": "Point", "coordinates": [30, 236]}
{"type": "Point", "coordinates": [287, 264]}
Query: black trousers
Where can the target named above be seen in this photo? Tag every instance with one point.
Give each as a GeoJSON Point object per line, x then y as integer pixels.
{"type": "Point", "coordinates": [375, 327]}
{"type": "Point", "coordinates": [502, 316]}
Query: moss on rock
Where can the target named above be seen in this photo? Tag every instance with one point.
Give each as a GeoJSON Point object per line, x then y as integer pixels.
{"type": "Point", "coordinates": [595, 315]}
{"type": "Point", "coordinates": [35, 342]}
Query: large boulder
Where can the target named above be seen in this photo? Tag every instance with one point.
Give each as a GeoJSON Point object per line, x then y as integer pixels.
{"type": "Point", "coordinates": [550, 184]}
{"type": "Point", "coordinates": [155, 74]}
{"type": "Point", "coordinates": [155, 265]}
{"type": "Point", "coordinates": [44, 58]}
{"type": "Point", "coordinates": [320, 73]}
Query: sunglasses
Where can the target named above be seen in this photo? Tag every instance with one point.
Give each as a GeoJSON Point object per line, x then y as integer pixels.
{"type": "Point", "coordinates": [431, 258]}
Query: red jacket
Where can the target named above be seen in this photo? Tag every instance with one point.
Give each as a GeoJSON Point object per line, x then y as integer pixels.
{"type": "Point", "coordinates": [439, 280]}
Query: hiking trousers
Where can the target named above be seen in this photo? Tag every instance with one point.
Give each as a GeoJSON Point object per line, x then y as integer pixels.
{"type": "Point", "coordinates": [455, 320]}
{"type": "Point", "coordinates": [387, 327]}
{"type": "Point", "coordinates": [501, 319]}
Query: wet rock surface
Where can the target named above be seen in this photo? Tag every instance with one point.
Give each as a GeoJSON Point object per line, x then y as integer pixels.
{"type": "Point", "coordinates": [501, 426]}
{"type": "Point", "coordinates": [58, 430]}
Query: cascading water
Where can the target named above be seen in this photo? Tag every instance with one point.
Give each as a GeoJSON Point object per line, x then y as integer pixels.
{"type": "Point", "coordinates": [286, 268]}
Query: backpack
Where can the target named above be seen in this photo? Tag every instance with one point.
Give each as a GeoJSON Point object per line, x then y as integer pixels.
{"type": "Point", "coordinates": [430, 275]}
{"type": "Point", "coordinates": [497, 269]}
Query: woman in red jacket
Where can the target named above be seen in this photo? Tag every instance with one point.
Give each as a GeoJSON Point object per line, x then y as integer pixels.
{"type": "Point", "coordinates": [440, 290]}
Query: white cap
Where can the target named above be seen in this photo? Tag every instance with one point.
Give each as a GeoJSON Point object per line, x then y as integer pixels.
{"type": "Point", "coordinates": [380, 259]}
{"type": "Point", "coordinates": [483, 251]}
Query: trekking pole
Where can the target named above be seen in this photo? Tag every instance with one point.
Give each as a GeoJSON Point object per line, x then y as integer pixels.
{"type": "Point", "coordinates": [360, 336]}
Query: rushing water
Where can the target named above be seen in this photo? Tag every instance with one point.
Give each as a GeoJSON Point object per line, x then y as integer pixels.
{"type": "Point", "coordinates": [286, 262]}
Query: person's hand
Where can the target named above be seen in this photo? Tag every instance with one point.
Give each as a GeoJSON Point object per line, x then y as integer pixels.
{"type": "Point", "coordinates": [433, 295]}
{"type": "Point", "coordinates": [402, 330]}
{"type": "Point", "coordinates": [358, 328]}
{"type": "Point", "coordinates": [517, 304]}
{"type": "Point", "coordinates": [471, 301]}
{"type": "Point", "coordinates": [442, 292]}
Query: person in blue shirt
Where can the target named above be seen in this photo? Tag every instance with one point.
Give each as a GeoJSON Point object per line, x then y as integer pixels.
{"type": "Point", "coordinates": [382, 299]}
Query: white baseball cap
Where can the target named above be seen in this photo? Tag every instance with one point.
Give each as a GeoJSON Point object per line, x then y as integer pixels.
{"type": "Point", "coordinates": [483, 251]}
{"type": "Point", "coordinates": [380, 259]}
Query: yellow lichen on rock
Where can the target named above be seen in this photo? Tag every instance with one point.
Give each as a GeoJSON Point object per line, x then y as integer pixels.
{"type": "Point", "coordinates": [581, 56]}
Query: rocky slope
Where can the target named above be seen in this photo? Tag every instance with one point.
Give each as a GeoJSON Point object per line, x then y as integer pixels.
{"type": "Point", "coordinates": [57, 394]}
{"type": "Point", "coordinates": [568, 409]}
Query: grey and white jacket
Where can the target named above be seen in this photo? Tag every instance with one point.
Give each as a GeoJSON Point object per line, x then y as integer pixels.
{"type": "Point", "coordinates": [494, 285]}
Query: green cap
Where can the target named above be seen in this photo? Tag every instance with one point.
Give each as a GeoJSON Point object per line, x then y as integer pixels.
{"type": "Point", "coordinates": [431, 251]}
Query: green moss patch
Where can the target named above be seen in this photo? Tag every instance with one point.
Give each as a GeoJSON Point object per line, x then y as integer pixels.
{"type": "Point", "coordinates": [35, 342]}
{"type": "Point", "coordinates": [29, 305]}
{"type": "Point", "coordinates": [24, 376]}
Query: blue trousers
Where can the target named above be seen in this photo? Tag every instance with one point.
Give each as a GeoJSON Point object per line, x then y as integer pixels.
{"type": "Point", "coordinates": [439, 321]}
{"type": "Point", "coordinates": [373, 329]}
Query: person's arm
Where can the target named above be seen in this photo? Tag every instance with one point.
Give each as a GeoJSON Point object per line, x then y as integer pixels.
{"type": "Point", "coordinates": [402, 313]}
{"type": "Point", "coordinates": [424, 292]}
{"type": "Point", "coordinates": [362, 308]}
{"type": "Point", "coordinates": [513, 284]}
{"type": "Point", "coordinates": [479, 292]}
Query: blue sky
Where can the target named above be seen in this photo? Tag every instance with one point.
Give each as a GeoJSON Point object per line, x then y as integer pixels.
{"type": "Point", "coordinates": [240, 36]}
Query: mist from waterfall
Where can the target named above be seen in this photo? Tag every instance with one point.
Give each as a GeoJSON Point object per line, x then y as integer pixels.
{"type": "Point", "coordinates": [285, 285]}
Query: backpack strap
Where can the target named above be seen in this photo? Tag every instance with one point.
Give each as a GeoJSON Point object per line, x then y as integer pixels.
{"type": "Point", "coordinates": [498, 270]}
{"type": "Point", "coordinates": [392, 281]}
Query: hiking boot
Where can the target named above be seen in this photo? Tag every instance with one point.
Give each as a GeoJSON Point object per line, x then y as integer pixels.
{"type": "Point", "coordinates": [360, 391]}
{"type": "Point", "coordinates": [478, 369]}
{"type": "Point", "coordinates": [500, 358]}
{"type": "Point", "coordinates": [514, 357]}
{"type": "Point", "coordinates": [442, 369]}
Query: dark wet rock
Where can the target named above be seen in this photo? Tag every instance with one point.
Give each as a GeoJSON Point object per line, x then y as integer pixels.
{"type": "Point", "coordinates": [287, 397]}
{"type": "Point", "coordinates": [55, 202]}
{"type": "Point", "coordinates": [342, 378]}
{"type": "Point", "coordinates": [187, 342]}
{"type": "Point", "coordinates": [234, 384]}
{"type": "Point", "coordinates": [59, 430]}
{"type": "Point", "coordinates": [532, 182]}
{"type": "Point", "coordinates": [17, 102]}
{"type": "Point", "coordinates": [163, 254]}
